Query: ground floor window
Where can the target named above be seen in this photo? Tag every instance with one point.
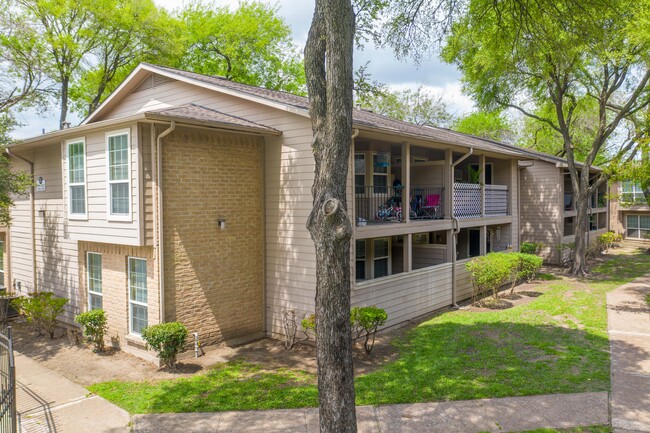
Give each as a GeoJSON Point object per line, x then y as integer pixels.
{"type": "Point", "coordinates": [638, 226]}
{"type": "Point", "coordinates": [360, 262]}
{"type": "Point", "coordinates": [138, 310]}
{"type": "Point", "coordinates": [94, 271]}
{"type": "Point", "coordinates": [381, 248]}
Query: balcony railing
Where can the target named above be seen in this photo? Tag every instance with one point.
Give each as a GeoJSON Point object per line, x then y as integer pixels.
{"type": "Point", "coordinates": [383, 204]}
{"type": "Point", "coordinates": [468, 200]}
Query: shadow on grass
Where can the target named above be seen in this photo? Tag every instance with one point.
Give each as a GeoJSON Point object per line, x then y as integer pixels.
{"type": "Point", "coordinates": [451, 361]}
{"type": "Point", "coordinates": [438, 362]}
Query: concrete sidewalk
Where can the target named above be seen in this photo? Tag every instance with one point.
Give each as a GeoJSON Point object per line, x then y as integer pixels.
{"type": "Point", "coordinates": [629, 335]}
{"type": "Point", "coordinates": [494, 415]}
{"type": "Point", "coordinates": [49, 403]}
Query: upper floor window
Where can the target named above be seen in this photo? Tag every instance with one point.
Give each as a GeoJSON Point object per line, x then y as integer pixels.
{"type": "Point", "coordinates": [119, 185]}
{"type": "Point", "coordinates": [359, 173]}
{"type": "Point", "coordinates": [632, 193]}
{"type": "Point", "coordinates": [76, 158]}
{"type": "Point", "coordinates": [380, 170]}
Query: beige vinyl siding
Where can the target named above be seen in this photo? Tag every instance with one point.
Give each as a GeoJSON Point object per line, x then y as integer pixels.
{"type": "Point", "coordinates": [98, 227]}
{"type": "Point", "coordinates": [146, 182]}
{"type": "Point", "coordinates": [409, 296]}
{"type": "Point", "coordinates": [20, 249]}
{"type": "Point", "coordinates": [541, 214]}
{"type": "Point", "coordinates": [514, 204]}
{"type": "Point", "coordinates": [56, 254]}
{"type": "Point", "coordinates": [288, 176]}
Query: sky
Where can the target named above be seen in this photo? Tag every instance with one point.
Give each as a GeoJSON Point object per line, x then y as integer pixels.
{"type": "Point", "coordinates": [439, 78]}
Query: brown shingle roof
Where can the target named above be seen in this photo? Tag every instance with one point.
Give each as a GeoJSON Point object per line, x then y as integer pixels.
{"type": "Point", "coordinates": [360, 117]}
{"type": "Point", "coordinates": [204, 114]}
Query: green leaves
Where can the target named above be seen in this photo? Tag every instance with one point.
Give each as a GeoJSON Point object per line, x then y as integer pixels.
{"type": "Point", "coordinates": [94, 323]}
{"type": "Point", "coordinates": [251, 45]}
{"type": "Point", "coordinates": [167, 339]}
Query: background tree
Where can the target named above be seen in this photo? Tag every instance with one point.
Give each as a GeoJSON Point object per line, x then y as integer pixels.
{"type": "Point", "coordinates": [21, 63]}
{"type": "Point", "coordinates": [419, 106]}
{"type": "Point", "coordinates": [329, 72]}
{"type": "Point", "coordinates": [525, 56]}
{"type": "Point", "coordinates": [132, 31]}
{"type": "Point", "coordinates": [251, 45]}
{"type": "Point", "coordinates": [493, 125]}
{"type": "Point", "coordinates": [12, 183]}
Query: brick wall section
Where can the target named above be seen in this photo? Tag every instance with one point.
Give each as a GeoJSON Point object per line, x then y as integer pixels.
{"type": "Point", "coordinates": [214, 278]}
{"type": "Point", "coordinates": [115, 290]}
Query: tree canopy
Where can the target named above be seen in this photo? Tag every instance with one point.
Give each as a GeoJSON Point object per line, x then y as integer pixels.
{"type": "Point", "coordinates": [578, 70]}
{"type": "Point", "coordinates": [77, 51]}
{"type": "Point", "coordinates": [251, 45]}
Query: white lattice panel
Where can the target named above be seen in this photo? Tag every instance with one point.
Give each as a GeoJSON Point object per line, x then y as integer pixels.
{"type": "Point", "coordinates": [467, 200]}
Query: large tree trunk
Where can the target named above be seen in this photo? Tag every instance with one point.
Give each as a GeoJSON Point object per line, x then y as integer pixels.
{"type": "Point", "coordinates": [582, 226]}
{"type": "Point", "coordinates": [65, 83]}
{"type": "Point", "coordinates": [328, 68]}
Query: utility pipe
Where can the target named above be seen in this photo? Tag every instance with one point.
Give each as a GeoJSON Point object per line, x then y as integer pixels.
{"type": "Point", "coordinates": [32, 203]}
{"type": "Point", "coordinates": [455, 226]}
{"type": "Point", "coordinates": [159, 206]}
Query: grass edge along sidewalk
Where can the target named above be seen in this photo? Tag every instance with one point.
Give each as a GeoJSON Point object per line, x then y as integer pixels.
{"type": "Point", "coordinates": [557, 343]}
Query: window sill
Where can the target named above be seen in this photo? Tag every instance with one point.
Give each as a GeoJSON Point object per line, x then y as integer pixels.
{"type": "Point", "coordinates": [78, 217]}
{"type": "Point", "coordinates": [118, 218]}
{"type": "Point", "coordinates": [135, 340]}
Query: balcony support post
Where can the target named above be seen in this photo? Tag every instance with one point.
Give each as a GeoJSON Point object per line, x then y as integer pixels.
{"type": "Point", "coordinates": [447, 179]}
{"type": "Point", "coordinates": [483, 247]}
{"type": "Point", "coordinates": [408, 252]}
{"type": "Point", "coordinates": [406, 183]}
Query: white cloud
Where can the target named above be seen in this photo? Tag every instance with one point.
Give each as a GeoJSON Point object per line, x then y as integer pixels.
{"type": "Point", "coordinates": [451, 93]}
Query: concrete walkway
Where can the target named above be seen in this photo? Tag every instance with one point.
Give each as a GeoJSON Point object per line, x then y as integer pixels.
{"type": "Point", "coordinates": [495, 415]}
{"type": "Point", "coordinates": [629, 335]}
{"type": "Point", "coordinates": [49, 403]}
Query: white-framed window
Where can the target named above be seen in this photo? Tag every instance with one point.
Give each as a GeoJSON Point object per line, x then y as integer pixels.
{"type": "Point", "coordinates": [76, 174]}
{"type": "Point", "coordinates": [638, 226]}
{"type": "Point", "coordinates": [359, 173]}
{"type": "Point", "coordinates": [138, 309]}
{"type": "Point", "coordinates": [381, 257]}
{"type": "Point", "coordinates": [94, 274]}
{"type": "Point", "coordinates": [632, 193]}
{"type": "Point", "coordinates": [360, 262]}
{"type": "Point", "coordinates": [119, 176]}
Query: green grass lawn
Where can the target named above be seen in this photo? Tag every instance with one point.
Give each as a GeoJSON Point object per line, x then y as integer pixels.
{"type": "Point", "coordinates": [555, 344]}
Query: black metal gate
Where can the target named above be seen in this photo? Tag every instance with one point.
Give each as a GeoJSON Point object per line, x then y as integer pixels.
{"type": "Point", "coordinates": [7, 383]}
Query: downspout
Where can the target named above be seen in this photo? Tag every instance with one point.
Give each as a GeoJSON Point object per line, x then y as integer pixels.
{"type": "Point", "coordinates": [159, 220]}
{"type": "Point", "coordinates": [32, 203]}
{"type": "Point", "coordinates": [455, 227]}
{"type": "Point", "coordinates": [454, 238]}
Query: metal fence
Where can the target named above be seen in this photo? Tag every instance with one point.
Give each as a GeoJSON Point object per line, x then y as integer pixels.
{"type": "Point", "coordinates": [8, 414]}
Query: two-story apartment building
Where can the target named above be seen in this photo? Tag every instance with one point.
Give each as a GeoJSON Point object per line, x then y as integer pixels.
{"type": "Point", "coordinates": [629, 211]}
{"type": "Point", "coordinates": [184, 197]}
{"type": "Point", "coordinates": [548, 213]}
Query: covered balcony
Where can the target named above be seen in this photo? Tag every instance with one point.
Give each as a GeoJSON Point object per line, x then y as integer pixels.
{"type": "Point", "coordinates": [400, 183]}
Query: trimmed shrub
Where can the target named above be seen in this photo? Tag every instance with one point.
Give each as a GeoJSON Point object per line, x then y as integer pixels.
{"type": "Point", "coordinates": [167, 339]}
{"type": "Point", "coordinates": [531, 247]}
{"type": "Point", "coordinates": [610, 240]}
{"type": "Point", "coordinates": [94, 327]}
{"type": "Point", "coordinates": [489, 272]}
{"type": "Point", "coordinates": [41, 310]}
{"type": "Point", "coordinates": [365, 321]}
{"type": "Point", "coordinates": [527, 267]}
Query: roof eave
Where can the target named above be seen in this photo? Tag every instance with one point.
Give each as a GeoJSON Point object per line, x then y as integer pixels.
{"type": "Point", "coordinates": [212, 124]}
